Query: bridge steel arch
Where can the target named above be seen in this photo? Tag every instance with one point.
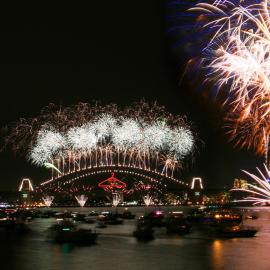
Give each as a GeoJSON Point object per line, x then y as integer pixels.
{"type": "Point", "coordinates": [150, 175]}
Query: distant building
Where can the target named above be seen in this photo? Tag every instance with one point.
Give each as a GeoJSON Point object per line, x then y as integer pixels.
{"type": "Point", "coordinates": [240, 183]}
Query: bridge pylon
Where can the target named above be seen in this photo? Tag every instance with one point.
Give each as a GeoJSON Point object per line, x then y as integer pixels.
{"type": "Point", "coordinates": [196, 191]}
{"type": "Point", "coordinates": [25, 190]}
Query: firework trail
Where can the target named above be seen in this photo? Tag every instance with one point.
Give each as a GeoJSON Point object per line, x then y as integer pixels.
{"type": "Point", "coordinates": [51, 166]}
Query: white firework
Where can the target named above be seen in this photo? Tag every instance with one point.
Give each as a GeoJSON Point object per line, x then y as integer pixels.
{"type": "Point", "coordinates": [127, 134]}
{"type": "Point", "coordinates": [238, 52]}
{"type": "Point", "coordinates": [82, 138]}
{"type": "Point", "coordinates": [156, 135]}
{"type": "Point", "coordinates": [259, 192]}
{"type": "Point", "coordinates": [147, 200]}
{"type": "Point", "coordinates": [111, 140]}
{"type": "Point", "coordinates": [81, 199]}
{"type": "Point", "coordinates": [181, 142]}
{"type": "Point", "coordinates": [48, 145]}
{"type": "Point", "coordinates": [104, 125]}
{"type": "Point", "coordinates": [116, 199]}
{"type": "Point", "coordinates": [48, 200]}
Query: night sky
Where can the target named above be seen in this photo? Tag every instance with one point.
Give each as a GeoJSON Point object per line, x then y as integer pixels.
{"type": "Point", "coordinates": [113, 51]}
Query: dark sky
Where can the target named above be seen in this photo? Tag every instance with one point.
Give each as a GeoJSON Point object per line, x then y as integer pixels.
{"type": "Point", "coordinates": [113, 51]}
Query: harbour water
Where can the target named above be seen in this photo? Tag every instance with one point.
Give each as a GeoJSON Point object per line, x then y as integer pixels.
{"type": "Point", "coordinates": [116, 248]}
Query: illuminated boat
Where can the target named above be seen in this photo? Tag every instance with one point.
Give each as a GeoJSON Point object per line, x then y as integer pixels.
{"type": "Point", "coordinates": [251, 217]}
{"type": "Point", "coordinates": [67, 232]}
{"type": "Point", "coordinates": [110, 218]}
{"type": "Point", "coordinates": [78, 216]}
{"type": "Point", "coordinates": [236, 231]}
{"type": "Point", "coordinates": [156, 218]}
{"type": "Point", "coordinates": [6, 219]}
{"type": "Point", "coordinates": [221, 217]}
{"type": "Point", "coordinates": [63, 215]}
{"type": "Point", "coordinates": [13, 221]}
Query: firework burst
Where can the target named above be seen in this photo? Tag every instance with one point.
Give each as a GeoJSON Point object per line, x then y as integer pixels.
{"type": "Point", "coordinates": [238, 61]}
{"type": "Point", "coordinates": [86, 136]}
{"type": "Point", "coordinates": [238, 51]}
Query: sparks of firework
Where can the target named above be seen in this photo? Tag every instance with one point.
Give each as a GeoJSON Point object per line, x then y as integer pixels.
{"type": "Point", "coordinates": [249, 132]}
{"type": "Point", "coordinates": [238, 59]}
{"type": "Point", "coordinates": [48, 200]}
{"type": "Point", "coordinates": [238, 53]}
{"type": "Point", "coordinates": [51, 166]}
{"type": "Point", "coordinates": [259, 193]}
{"type": "Point", "coordinates": [116, 199]}
{"type": "Point", "coordinates": [148, 139]}
{"type": "Point", "coordinates": [81, 199]}
{"type": "Point", "coordinates": [147, 200]}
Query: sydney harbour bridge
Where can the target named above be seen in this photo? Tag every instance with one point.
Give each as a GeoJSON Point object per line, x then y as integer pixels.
{"type": "Point", "coordinates": [115, 181]}
{"type": "Point", "coordinates": [85, 144]}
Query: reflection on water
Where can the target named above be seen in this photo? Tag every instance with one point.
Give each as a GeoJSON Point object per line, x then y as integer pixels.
{"type": "Point", "coordinates": [117, 249]}
{"type": "Point", "coordinates": [217, 254]}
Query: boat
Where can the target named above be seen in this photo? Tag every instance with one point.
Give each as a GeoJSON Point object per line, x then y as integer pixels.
{"type": "Point", "coordinates": [144, 230]}
{"type": "Point", "coordinates": [177, 223]}
{"type": "Point", "coordinates": [197, 214]}
{"type": "Point", "coordinates": [223, 217]}
{"type": "Point", "coordinates": [47, 214]}
{"type": "Point", "coordinates": [114, 221]}
{"type": "Point", "coordinates": [110, 218]}
{"type": "Point", "coordinates": [13, 221]}
{"type": "Point", "coordinates": [156, 218]}
{"type": "Point", "coordinates": [78, 216]}
{"type": "Point", "coordinates": [237, 231]}
{"type": "Point", "coordinates": [68, 232]}
{"type": "Point", "coordinates": [93, 213]}
{"type": "Point", "coordinates": [127, 214]}
{"type": "Point", "coordinates": [89, 219]}
{"type": "Point", "coordinates": [6, 219]}
{"type": "Point", "coordinates": [251, 217]}
{"type": "Point", "coordinates": [63, 215]}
